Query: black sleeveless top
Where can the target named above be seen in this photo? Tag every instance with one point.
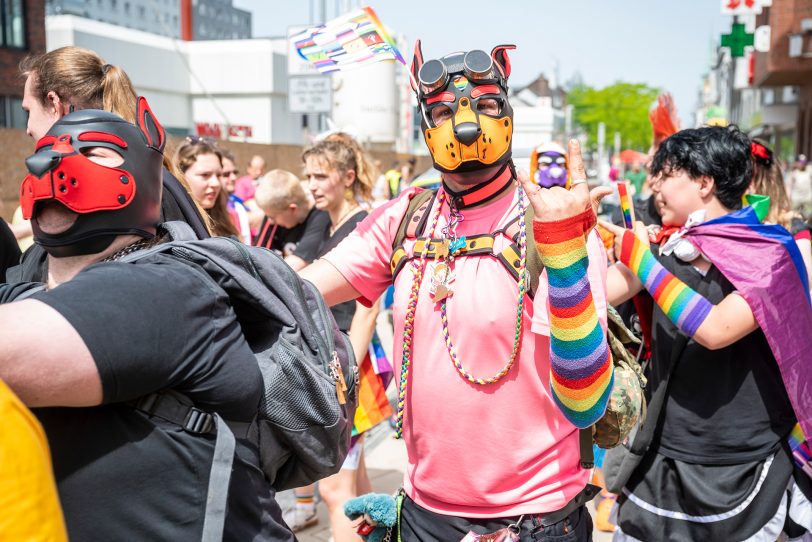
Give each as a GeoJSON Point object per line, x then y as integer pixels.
{"type": "Point", "coordinates": [343, 312]}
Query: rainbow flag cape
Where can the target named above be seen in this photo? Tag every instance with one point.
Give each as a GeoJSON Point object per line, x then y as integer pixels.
{"type": "Point", "coordinates": [376, 374]}
{"type": "Point", "coordinates": [764, 264]}
{"type": "Point", "coordinates": [352, 40]}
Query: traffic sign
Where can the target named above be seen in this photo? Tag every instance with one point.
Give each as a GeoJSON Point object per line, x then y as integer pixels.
{"type": "Point", "coordinates": [310, 94]}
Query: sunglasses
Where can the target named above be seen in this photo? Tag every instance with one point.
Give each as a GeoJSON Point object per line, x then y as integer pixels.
{"type": "Point", "coordinates": [193, 139]}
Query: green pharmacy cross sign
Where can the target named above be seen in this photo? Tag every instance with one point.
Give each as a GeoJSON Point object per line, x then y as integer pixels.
{"type": "Point", "coordinates": [737, 40]}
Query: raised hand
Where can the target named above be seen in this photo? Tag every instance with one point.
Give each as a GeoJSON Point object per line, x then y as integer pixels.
{"type": "Point", "coordinates": [556, 203]}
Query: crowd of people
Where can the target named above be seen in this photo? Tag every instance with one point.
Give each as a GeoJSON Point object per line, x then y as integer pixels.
{"type": "Point", "coordinates": [139, 363]}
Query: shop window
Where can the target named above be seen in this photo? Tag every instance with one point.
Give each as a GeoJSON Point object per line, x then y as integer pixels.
{"type": "Point", "coordinates": [12, 20]}
{"type": "Point", "coordinates": [11, 113]}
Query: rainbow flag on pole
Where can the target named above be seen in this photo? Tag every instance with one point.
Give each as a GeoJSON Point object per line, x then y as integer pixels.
{"type": "Point", "coordinates": [352, 40]}
{"type": "Point", "coordinates": [375, 375]}
{"type": "Point", "coordinates": [626, 204]}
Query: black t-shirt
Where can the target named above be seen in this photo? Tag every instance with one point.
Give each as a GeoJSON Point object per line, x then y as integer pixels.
{"type": "Point", "coordinates": [726, 406]}
{"type": "Point", "coordinates": [9, 250]}
{"type": "Point", "coordinates": [302, 241]}
{"type": "Point", "coordinates": [343, 312]}
{"type": "Point", "coordinates": [120, 473]}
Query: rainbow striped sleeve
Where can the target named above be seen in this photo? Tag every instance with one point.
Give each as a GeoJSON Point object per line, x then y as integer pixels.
{"type": "Point", "coordinates": [683, 306]}
{"type": "Point", "coordinates": [580, 362]}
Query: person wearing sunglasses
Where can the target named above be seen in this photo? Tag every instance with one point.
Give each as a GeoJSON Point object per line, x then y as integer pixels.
{"type": "Point", "coordinates": [492, 385]}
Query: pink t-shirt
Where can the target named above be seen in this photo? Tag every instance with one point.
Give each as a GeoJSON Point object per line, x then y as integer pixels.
{"type": "Point", "coordinates": [475, 451]}
{"type": "Point", "coordinates": [244, 188]}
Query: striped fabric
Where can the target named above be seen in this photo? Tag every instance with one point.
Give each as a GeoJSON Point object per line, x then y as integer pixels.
{"type": "Point", "coordinates": [683, 306]}
{"type": "Point", "coordinates": [581, 365]}
{"type": "Point", "coordinates": [375, 373]}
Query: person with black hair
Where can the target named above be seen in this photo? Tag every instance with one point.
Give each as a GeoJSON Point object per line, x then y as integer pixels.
{"type": "Point", "coordinates": [728, 371]}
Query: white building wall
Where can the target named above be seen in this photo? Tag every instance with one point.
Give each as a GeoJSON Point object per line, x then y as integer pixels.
{"type": "Point", "coordinates": [366, 102]}
{"type": "Point", "coordinates": [532, 125]}
{"type": "Point", "coordinates": [237, 82]}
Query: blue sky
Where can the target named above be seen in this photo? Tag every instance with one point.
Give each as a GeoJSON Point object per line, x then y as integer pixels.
{"type": "Point", "coordinates": [663, 43]}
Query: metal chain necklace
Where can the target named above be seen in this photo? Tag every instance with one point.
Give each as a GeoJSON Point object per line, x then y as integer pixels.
{"type": "Point", "coordinates": [418, 268]}
{"type": "Point", "coordinates": [133, 247]}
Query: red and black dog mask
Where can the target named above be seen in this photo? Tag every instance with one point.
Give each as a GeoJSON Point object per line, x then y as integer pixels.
{"type": "Point", "coordinates": [109, 201]}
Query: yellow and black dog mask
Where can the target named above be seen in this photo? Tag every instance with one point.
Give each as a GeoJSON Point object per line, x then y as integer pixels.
{"type": "Point", "coordinates": [469, 139]}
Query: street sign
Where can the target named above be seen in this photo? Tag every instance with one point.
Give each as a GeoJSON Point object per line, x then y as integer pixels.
{"type": "Point", "coordinates": [744, 7]}
{"type": "Point", "coordinates": [310, 94]}
{"type": "Point", "coordinates": [737, 40]}
{"type": "Point", "coordinates": [761, 39]}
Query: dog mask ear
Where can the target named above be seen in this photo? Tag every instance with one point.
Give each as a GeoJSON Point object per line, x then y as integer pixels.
{"type": "Point", "coordinates": [500, 58]}
{"type": "Point", "coordinates": [417, 63]}
{"type": "Point", "coordinates": [149, 125]}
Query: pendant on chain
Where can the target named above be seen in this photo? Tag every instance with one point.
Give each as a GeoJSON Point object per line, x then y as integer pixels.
{"type": "Point", "coordinates": [442, 279]}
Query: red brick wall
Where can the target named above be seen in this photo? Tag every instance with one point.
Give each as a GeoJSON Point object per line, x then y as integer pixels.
{"type": "Point", "coordinates": [776, 67]}
{"type": "Point", "coordinates": [10, 82]}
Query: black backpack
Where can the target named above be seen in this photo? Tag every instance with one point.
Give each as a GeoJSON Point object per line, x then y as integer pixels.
{"type": "Point", "coordinates": [304, 423]}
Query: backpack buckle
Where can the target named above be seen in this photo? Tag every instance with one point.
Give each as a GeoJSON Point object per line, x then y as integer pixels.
{"type": "Point", "coordinates": [198, 421]}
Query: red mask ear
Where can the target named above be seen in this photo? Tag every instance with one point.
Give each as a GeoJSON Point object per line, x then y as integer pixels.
{"type": "Point", "coordinates": [149, 125]}
{"type": "Point", "coordinates": [417, 62]}
{"type": "Point", "coordinates": [500, 58]}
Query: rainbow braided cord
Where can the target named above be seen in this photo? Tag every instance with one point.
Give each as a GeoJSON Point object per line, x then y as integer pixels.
{"type": "Point", "coordinates": [683, 306]}
{"type": "Point", "coordinates": [519, 322]}
{"type": "Point", "coordinates": [418, 269]}
{"type": "Point", "coordinates": [580, 361]}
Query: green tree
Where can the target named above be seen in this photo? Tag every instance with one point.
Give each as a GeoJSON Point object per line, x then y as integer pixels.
{"type": "Point", "coordinates": [623, 107]}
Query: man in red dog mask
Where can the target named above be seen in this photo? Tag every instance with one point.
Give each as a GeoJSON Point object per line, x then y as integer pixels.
{"type": "Point", "coordinates": [102, 333]}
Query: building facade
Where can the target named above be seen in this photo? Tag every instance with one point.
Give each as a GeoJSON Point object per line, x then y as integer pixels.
{"type": "Point", "coordinates": [762, 92]}
{"type": "Point", "coordinates": [219, 20]}
{"type": "Point", "coordinates": [539, 114]}
{"type": "Point", "coordinates": [160, 17]}
{"type": "Point", "coordinates": [206, 19]}
{"type": "Point", "coordinates": [22, 32]}
{"type": "Point", "coordinates": [788, 63]}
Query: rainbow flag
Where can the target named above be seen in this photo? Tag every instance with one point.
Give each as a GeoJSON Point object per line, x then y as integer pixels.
{"type": "Point", "coordinates": [376, 374]}
{"type": "Point", "coordinates": [800, 449]}
{"type": "Point", "coordinates": [626, 204]}
{"type": "Point", "coordinates": [352, 40]}
{"type": "Point", "coordinates": [765, 266]}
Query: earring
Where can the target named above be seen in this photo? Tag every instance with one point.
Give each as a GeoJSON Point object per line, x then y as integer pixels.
{"type": "Point", "coordinates": [348, 194]}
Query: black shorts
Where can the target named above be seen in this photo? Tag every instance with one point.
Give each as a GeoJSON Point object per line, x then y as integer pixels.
{"type": "Point", "coordinates": [420, 525]}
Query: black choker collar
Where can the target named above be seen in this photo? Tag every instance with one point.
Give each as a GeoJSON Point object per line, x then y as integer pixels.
{"type": "Point", "coordinates": [482, 192]}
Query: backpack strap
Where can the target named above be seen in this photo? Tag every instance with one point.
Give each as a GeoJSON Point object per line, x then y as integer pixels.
{"type": "Point", "coordinates": [411, 225]}
{"type": "Point", "coordinates": [175, 408]}
{"type": "Point", "coordinates": [585, 447]}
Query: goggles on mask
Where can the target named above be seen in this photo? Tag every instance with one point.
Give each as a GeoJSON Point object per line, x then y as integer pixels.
{"type": "Point", "coordinates": [467, 120]}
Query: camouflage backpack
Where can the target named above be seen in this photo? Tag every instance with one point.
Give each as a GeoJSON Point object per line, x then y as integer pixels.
{"type": "Point", "coordinates": [627, 404]}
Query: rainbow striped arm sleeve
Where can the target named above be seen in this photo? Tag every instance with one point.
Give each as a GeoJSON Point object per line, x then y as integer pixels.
{"type": "Point", "coordinates": [683, 306]}
{"type": "Point", "coordinates": [580, 362]}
